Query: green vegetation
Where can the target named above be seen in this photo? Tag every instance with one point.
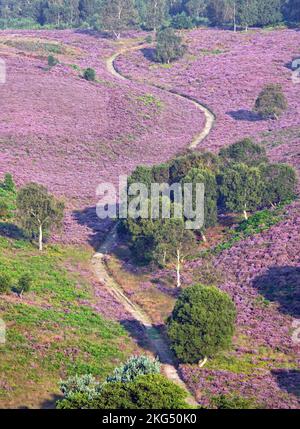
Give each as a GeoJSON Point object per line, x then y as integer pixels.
{"type": "Point", "coordinates": [201, 324]}
{"type": "Point", "coordinates": [280, 181]}
{"type": "Point", "coordinates": [89, 74]}
{"type": "Point", "coordinates": [152, 391]}
{"type": "Point", "coordinates": [207, 177]}
{"type": "Point", "coordinates": [150, 100]}
{"type": "Point", "coordinates": [233, 402]}
{"type": "Point", "coordinates": [5, 283]}
{"type": "Point", "coordinates": [53, 331]}
{"type": "Point", "coordinates": [116, 16]}
{"type": "Point", "coordinates": [169, 46]}
{"type": "Point", "coordinates": [257, 223]}
{"type": "Point", "coordinates": [38, 211]}
{"type": "Point", "coordinates": [271, 102]}
{"type": "Point", "coordinates": [35, 45]}
{"type": "Point", "coordinates": [241, 188]}
{"type": "Point", "coordinates": [135, 366]}
{"type": "Point", "coordinates": [52, 61]}
{"type": "Point", "coordinates": [244, 151]}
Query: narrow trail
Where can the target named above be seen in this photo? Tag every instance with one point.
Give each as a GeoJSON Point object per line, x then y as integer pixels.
{"type": "Point", "coordinates": [155, 339]}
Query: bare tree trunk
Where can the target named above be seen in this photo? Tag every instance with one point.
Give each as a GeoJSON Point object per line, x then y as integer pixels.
{"type": "Point", "coordinates": [202, 362]}
{"type": "Point", "coordinates": [203, 236]}
{"type": "Point", "coordinates": [245, 214]}
{"type": "Point", "coordinates": [40, 238]}
{"type": "Point", "coordinates": [178, 269]}
{"type": "Point", "coordinates": [234, 17]}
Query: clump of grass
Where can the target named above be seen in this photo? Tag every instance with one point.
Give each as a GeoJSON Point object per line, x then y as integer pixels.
{"type": "Point", "coordinates": [150, 100]}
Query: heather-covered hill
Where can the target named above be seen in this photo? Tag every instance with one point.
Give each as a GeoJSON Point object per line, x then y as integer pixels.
{"type": "Point", "coordinates": [69, 134]}
{"type": "Point", "coordinates": [226, 71]}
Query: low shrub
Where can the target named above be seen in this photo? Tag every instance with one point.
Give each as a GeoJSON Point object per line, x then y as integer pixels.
{"type": "Point", "coordinates": [233, 402]}
{"type": "Point", "coordinates": [135, 366]}
{"type": "Point", "coordinates": [152, 391]}
{"type": "Point", "coordinates": [89, 74]}
{"type": "Point", "coordinates": [52, 61]}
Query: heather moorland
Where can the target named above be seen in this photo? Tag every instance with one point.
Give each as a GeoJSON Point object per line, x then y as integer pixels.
{"type": "Point", "coordinates": [68, 134]}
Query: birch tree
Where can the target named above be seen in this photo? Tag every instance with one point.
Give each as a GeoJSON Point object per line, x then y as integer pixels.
{"type": "Point", "coordinates": [38, 211]}
{"type": "Point", "coordinates": [117, 16]}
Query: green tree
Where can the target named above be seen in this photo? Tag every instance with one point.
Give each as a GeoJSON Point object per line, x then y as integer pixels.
{"type": "Point", "coordinates": [280, 181]}
{"type": "Point", "coordinates": [221, 12]}
{"type": "Point", "coordinates": [155, 14]}
{"type": "Point", "coordinates": [269, 12]}
{"type": "Point", "coordinates": [161, 240]}
{"type": "Point", "coordinates": [246, 13]}
{"type": "Point", "coordinates": [201, 324]}
{"type": "Point", "coordinates": [271, 102]}
{"type": "Point", "coordinates": [173, 243]}
{"type": "Point", "coordinates": [135, 366]}
{"type": "Point", "coordinates": [117, 16]}
{"type": "Point", "coordinates": [244, 151]}
{"type": "Point", "coordinates": [196, 8]}
{"type": "Point", "coordinates": [241, 188]}
{"type": "Point", "coordinates": [38, 211]}
{"type": "Point", "coordinates": [182, 21]}
{"type": "Point", "coordinates": [208, 178]}
{"type": "Point", "coordinates": [169, 46]}
{"type": "Point", "coordinates": [145, 392]}
{"type": "Point", "coordinates": [181, 165]}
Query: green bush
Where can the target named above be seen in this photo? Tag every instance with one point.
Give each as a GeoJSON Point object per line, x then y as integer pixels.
{"type": "Point", "coordinates": [271, 102]}
{"type": "Point", "coordinates": [24, 283]}
{"type": "Point", "coordinates": [135, 366]}
{"type": "Point", "coordinates": [244, 151]}
{"type": "Point", "coordinates": [5, 283]}
{"type": "Point", "coordinates": [89, 74]}
{"type": "Point", "coordinates": [85, 385]}
{"type": "Point", "coordinates": [146, 392]}
{"type": "Point", "coordinates": [201, 324]}
{"type": "Point", "coordinates": [52, 61]}
{"type": "Point", "coordinates": [233, 402]}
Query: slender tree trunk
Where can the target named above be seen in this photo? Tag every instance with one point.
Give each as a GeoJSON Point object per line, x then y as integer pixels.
{"type": "Point", "coordinates": [178, 269]}
{"type": "Point", "coordinates": [40, 238]}
{"type": "Point", "coordinates": [234, 17]}
{"type": "Point", "coordinates": [203, 236]}
{"type": "Point", "coordinates": [202, 362]}
{"type": "Point", "coordinates": [164, 257]}
{"type": "Point", "coordinates": [245, 214]}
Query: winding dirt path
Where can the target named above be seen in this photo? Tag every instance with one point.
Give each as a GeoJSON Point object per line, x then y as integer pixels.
{"type": "Point", "coordinates": [155, 339]}
{"type": "Point", "coordinates": [209, 116]}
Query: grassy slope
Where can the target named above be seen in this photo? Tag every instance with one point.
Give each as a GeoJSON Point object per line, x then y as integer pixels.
{"type": "Point", "coordinates": [52, 331]}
